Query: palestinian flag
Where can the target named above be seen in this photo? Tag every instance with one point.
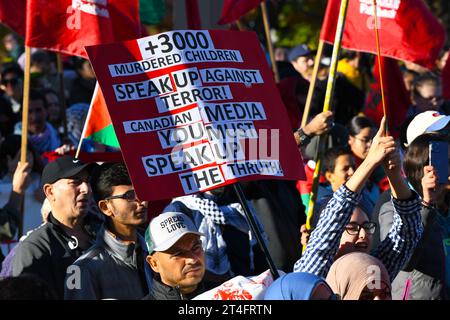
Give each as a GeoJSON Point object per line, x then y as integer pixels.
{"type": "Point", "coordinates": [98, 126]}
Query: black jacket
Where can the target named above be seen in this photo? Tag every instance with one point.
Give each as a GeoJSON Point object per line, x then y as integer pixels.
{"type": "Point", "coordinates": [48, 251]}
{"type": "Point", "coordinates": [161, 291]}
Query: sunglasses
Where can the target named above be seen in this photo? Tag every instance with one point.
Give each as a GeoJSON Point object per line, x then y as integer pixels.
{"type": "Point", "coordinates": [130, 196]}
{"type": "Point", "coordinates": [12, 81]}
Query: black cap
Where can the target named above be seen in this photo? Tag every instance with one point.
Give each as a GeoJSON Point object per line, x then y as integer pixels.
{"type": "Point", "coordinates": [299, 51]}
{"type": "Point", "coordinates": [62, 168]}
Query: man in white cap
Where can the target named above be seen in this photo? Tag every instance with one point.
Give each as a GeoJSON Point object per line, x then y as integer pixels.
{"type": "Point", "coordinates": [428, 121]}
{"type": "Point", "coordinates": [176, 256]}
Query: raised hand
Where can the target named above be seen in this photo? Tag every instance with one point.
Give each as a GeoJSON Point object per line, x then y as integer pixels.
{"type": "Point", "coordinates": [392, 163]}
{"type": "Point", "coordinates": [320, 124]}
{"type": "Point", "coordinates": [381, 146]}
{"type": "Point", "coordinates": [429, 184]}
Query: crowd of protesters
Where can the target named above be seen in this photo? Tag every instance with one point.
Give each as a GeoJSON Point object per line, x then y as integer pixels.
{"type": "Point", "coordinates": [74, 230]}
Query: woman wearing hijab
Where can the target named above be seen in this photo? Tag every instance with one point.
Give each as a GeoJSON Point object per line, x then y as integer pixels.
{"type": "Point", "coordinates": [359, 276]}
{"type": "Point", "coordinates": [299, 286]}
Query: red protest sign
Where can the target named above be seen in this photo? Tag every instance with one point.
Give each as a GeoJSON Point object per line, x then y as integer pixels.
{"type": "Point", "coordinates": [195, 110]}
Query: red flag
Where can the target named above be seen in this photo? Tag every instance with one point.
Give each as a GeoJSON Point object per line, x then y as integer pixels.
{"type": "Point", "coordinates": [395, 93]}
{"type": "Point", "coordinates": [12, 14]}
{"type": "Point", "coordinates": [232, 10]}
{"type": "Point", "coordinates": [68, 26]}
{"type": "Point", "coordinates": [446, 80]}
{"type": "Point", "coordinates": [408, 30]}
{"type": "Point", "coordinates": [193, 15]}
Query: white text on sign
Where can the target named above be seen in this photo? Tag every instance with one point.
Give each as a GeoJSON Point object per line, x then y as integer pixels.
{"type": "Point", "coordinates": [170, 121]}
{"type": "Point", "coordinates": [168, 42]}
{"type": "Point", "coordinates": [179, 160]}
{"type": "Point", "coordinates": [184, 98]}
{"type": "Point", "coordinates": [143, 90]}
{"type": "Point", "coordinates": [245, 168]}
{"type": "Point", "coordinates": [202, 179]}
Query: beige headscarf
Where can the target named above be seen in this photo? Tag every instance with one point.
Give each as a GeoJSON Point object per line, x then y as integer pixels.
{"type": "Point", "coordinates": [350, 274]}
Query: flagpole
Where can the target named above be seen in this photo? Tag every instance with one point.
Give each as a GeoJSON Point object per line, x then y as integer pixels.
{"type": "Point", "coordinates": [62, 98]}
{"type": "Point", "coordinates": [88, 117]}
{"type": "Point", "coordinates": [239, 25]}
{"type": "Point", "coordinates": [24, 137]}
{"type": "Point", "coordinates": [269, 41]}
{"type": "Point", "coordinates": [312, 84]}
{"type": "Point", "coordinates": [380, 71]}
{"type": "Point", "coordinates": [255, 229]}
{"type": "Point", "coordinates": [326, 107]}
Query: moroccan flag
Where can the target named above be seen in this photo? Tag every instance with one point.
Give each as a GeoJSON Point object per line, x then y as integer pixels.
{"type": "Point", "coordinates": [407, 28]}
{"type": "Point", "coordinates": [68, 26]}
{"type": "Point", "coordinates": [395, 94]}
{"type": "Point", "coordinates": [232, 10]}
{"type": "Point", "coordinates": [446, 80]}
{"type": "Point", "coordinates": [12, 14]}
{"type": "Point", "coordinates": [98, 126]}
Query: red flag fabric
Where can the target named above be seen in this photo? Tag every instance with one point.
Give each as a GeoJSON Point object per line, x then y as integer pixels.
{"type": "Point", "coordinates": [407, 28]}
{"type": "Point", "coordinates": [12, 14]}
{"type": "Point", "coordinates": [68, 26]}
{"type": "Point", "coordinates": [395, 93]}
{"type": "Point", "coordinates": [193, 15]}
{"type": "Point", "coordinates": [446, 80]}
{"type": "Point", "coordinates": [232, 10]}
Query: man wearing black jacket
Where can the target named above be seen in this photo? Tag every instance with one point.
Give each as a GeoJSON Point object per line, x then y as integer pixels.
{"type": "Point", "coordinates": [176, 256]}
{"type": "Point", "coordinates": [50, 249]}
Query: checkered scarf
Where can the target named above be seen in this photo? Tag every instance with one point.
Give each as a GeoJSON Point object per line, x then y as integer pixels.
{"type": "Point", "coordinates": [208, 217]}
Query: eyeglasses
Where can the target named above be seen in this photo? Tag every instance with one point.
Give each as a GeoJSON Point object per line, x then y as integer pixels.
{"type": "Point", "coordinates": [353, 228]}
{"type": "Point", "coordinates": [12, 81]}
{"type": "Point", "coordinates": [130, 196]}
{"type": "Point", "coordinates": [365, 140]}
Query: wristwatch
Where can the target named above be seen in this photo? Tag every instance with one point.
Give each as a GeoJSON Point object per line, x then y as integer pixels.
{"type": "Point", "coordinates": [304, 138]}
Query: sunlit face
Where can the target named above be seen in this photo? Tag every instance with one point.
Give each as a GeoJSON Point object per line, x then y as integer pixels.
{"type": "Point", "coordinates": [360, 144]}
{"type": "Point", "coordinates": [343, 169]}
{"type": "Point", "coordinates": [70, 197]}
{"type": "Point", "coordinates": [304, 66]}
{"type": "Point", "coordinates": [351, 239]}
{"type": "Point", "coordinates": [182, 265]}
{"type": "Point", "coordinates": [123, 211]}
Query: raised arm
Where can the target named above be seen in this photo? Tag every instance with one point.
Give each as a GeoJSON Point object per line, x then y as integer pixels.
{"type": "Point", "coordinates": [398, 246]}
{"type": "Point", "coordinates": [324, 241]}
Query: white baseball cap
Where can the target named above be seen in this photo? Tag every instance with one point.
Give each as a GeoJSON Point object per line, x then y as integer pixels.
{"type": "Point", "coordinates": [425, 122]}
{"type": "Point", "coordinates": [166, 229]}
